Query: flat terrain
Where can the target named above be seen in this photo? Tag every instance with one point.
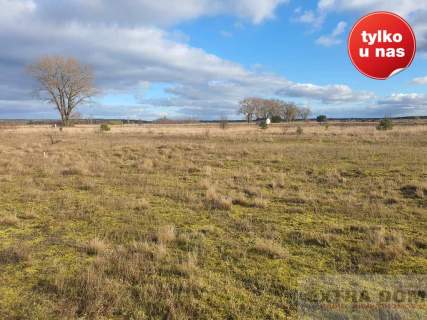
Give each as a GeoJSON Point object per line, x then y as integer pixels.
{"type": "Point", "coordinates": [196, 222]}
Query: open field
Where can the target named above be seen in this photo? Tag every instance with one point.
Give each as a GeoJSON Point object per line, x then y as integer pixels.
{"type": "Point", "coordinates": [195, 222]}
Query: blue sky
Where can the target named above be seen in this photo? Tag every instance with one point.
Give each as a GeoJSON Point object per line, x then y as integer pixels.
{"type": "Point", "coordinates": [198, 58]}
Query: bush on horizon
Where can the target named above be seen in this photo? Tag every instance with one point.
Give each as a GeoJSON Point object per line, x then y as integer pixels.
{"type": "Point", "coordinates": [385, 124]}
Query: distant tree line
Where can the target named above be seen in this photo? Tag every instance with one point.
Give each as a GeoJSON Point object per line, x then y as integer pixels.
{"type": "Point", "coordinates": [274, 109]}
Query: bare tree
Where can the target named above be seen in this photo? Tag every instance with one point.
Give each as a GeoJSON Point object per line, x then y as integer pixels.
{"type": "Point", "coordinates": [264, 109]}
{"type": "Point", "coordinates": [248, 108]}
{"type": "Point", "coordinates": [259, 108]}
{"type": "Point", "coordinates": [223, 122]}
{"type": "Point", "coordinates": [304, 113]}
{"type": "Point", "coordinates": [64, 82]}
{"type": "Point", "coordinates": [273, 108]}
{"type": "Point", "coordinates": [290, 111]}
{"type": "Point", "coordinates": [267, 108]}
{"type": "Point", "coordinates": [261, 111]}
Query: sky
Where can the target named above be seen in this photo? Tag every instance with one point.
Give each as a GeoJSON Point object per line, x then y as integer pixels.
{"type": "Point", "coordinates": [198, 58]}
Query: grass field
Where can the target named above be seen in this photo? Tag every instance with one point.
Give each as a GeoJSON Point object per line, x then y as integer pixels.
{"type": "Point", "coordinates": [195, 222]}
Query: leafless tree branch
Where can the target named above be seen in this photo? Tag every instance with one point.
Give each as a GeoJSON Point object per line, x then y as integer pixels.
{"type": "Point", "coordinates": [63, 82]}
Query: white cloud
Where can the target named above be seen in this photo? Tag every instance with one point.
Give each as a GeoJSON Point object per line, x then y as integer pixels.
{"type": "Point", "coordinates": [127, 57]}
{"type": "Point", "coordinates": [256, 10]}
{"type": "Point", "coordinates": [226, 34]}
{"type": "Point", "coordinates": [309, 17]}
{"type": "Point", "coordinates": [12, 9]}
{"type": "Point", "coordinates": [403, 104]}
{"type": "Point", "coordinates": [128, 54]}
{"type": "Point", "coordinates": [214, 98]}
{"type": "Point", "coordinates": [329, 94]}
{"type": "Point", "coordinates": [420, 80]}
{"type": "Point", "coordinates": [333, 38]}
{"type": "Point", "coordinates": [403, 7]}
{"type": "Point", "coordinates": [153, 13]}
{"type": "Point", "coordinates": [339, 29]}
{"type": "Point", "coordinates": [413, 10]}
{"type": "Point", "coordinates": [419, 23]}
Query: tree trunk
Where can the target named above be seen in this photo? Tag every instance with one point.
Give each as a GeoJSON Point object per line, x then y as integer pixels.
{"type": "Point", "coordinates": [66, 121]}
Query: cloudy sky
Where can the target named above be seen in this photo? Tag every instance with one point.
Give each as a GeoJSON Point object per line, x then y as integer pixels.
{"type": "Point", "coordinates": [198, 58]}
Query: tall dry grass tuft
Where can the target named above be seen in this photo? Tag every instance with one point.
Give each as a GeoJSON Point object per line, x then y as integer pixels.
{"type": "Point", "coordinates": [9, 220]}
{"type": "Point", "coordinates": [189, 266]}
{"type": "Point", "coordinates": [260, 202]}
{"type": "Point", "coordinates": [270, 248]}
{"type": "Point", "coordinates": [387, 245]}
{"type": "Point", "coordinates": [14, 254]}
{"type": "Point", "coordinates": [96, 246]}
{"type": "Point", "coordinates": [166, 234]}
{"type": "Point", "coordinates": [214, 200]}
{"type": "Point", "coordinates": [205, 184]}
{"type": "Point", "coordinates": [141, 204]}
{"type": "Point", "coordinates": [146, 165]}
{"type": "Point", "coordinates": [207, 170]}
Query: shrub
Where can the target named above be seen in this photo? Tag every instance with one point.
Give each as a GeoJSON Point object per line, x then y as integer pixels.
{"type": "Point", "coordinates": [300, 131]}
{"type": "Point", "coordinates": [105, 127]}
{"type": "Point", "coordinates": [276, 119]}
{"type": "Point", "coordinates": [322, 118]}
{"type": "Point", "coordinates": [263, 125]}
{"type": "Point", "coordinates": [385, 124]}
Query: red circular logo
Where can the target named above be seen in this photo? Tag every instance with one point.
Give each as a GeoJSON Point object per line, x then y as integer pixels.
{"type": "Point", "coordinates": [381, 45]}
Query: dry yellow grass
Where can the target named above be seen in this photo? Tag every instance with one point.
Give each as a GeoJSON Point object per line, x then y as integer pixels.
{"type": "Point", "coordinates": [269, 248]}
{"type": "Point", "coordinates": [96, 246]}
{"type": "Point", "coordinates": [166, 234]}
{"type": "Point", "coordinates": [14, 254]}
{"type": "Point", "coordinates": [9, 220]}
{"type": "Point", "coordinates": [214, 200]}
{"type": "Point", "coordinates": [196, 222]}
